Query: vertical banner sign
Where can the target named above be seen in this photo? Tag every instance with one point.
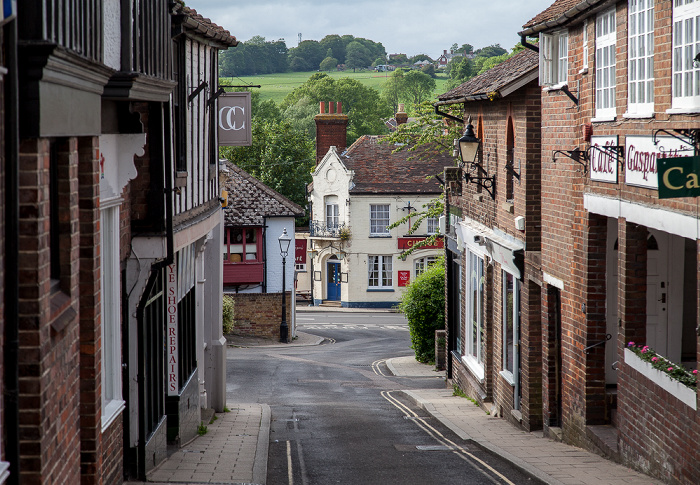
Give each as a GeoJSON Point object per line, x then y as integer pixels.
{"type": "Point", "coordinates": [679, 177]}
{"type": "Point", "coordinates": [300, 253]}
{"type": "Point", "coordinates": [233, 119]}
{"type": "Point", "coordinates": [171, 335]}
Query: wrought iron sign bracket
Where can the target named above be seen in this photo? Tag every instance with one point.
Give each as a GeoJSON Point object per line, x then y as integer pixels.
{"type": "Point", "coordinates": [687, 136]}
{"type": "Point", "coordinates": [577, 155]}
{"type": "Point", "coordinates": [509, 168]}
{"type": "Point", "coordinates": [196, 92]}
{"type": "Point", "coordinates": [617, 151]}
{"type": "Point", "coordinates": [486, 183]}
{"type": "Point", "coordinates": [565, 90]}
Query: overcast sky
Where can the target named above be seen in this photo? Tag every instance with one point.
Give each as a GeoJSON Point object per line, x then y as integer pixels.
{"type": "Point", "coordinates": [403, 26]}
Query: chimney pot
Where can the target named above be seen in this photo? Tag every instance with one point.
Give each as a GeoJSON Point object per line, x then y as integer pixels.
{"type": "Point", "coordinates": [340, 107]}
{"type": "Point", "coordinates": [331, 107]}
{"type": "Point", "coordinates": [322, 107]}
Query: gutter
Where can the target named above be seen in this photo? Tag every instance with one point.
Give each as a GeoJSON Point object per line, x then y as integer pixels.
{"type": "Point", "coordinates": [565, 17]}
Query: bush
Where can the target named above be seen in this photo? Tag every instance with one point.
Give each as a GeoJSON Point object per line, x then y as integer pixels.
{"type": "Point", "coordinates": [423, 303]}
{"type": "Point", "coordinates": [227, 314]}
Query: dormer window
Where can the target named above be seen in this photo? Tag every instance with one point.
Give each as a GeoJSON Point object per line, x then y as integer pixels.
{"type": "Point", "coordinates": [554, 58]}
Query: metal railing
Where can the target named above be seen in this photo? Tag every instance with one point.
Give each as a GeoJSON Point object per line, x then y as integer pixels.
{"type": "Point", "coordinates": [323, 229]}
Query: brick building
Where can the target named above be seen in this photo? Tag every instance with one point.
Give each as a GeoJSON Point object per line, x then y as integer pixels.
{"type": "Point", "coordinates": [619, 263]}
{"type": "Point", "coordinates": [493, 244]}
{"type": "Point", "coordinates": [87, 160]}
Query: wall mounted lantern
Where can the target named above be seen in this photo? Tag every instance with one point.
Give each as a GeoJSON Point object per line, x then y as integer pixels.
{"type": "Point", "coordinates": [468, 147]}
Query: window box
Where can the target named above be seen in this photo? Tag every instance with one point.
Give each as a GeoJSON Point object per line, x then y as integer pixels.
{"type": "Point", "coordinates": [681, 392]}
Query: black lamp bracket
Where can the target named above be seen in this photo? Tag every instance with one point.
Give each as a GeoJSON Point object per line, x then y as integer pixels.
{"type": "Point", "coordinates": [486, 183]}
{"type": "Point", "coordinates": [617, 151]}
{"type": "Point", "coordinates": [577, 155]}
{"type": "Point", "coordinates": [685, 135]}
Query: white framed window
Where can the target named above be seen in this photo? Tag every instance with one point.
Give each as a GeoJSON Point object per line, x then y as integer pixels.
{"type": "Point", "coordinates": [554, 58]}
{"type": "Point", "coordinates": [332, 212]}
{"type": "Point", "coordinates": [511, 330]}
{"type": "Point", "coordinates": [605, 80]}
{"type": "Point", "coordinates": [421, 264]}
{"type": "Point", "coordinates": [686, 44]}
{"type": "Point", "coordinates": [379, 272]}
{"type": "Point", "coordinates": [475, 351]}
{"type": "Point", "coordinates": [112, 402]}
{"type": "Point", "coordinates": [378, 219]}
{"type": "Point", "coordinates": [640, 51]}
{"type": "Point", "coordinates": [433, 225]}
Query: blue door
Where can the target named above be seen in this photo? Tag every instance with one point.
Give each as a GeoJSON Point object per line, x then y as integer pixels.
{"type": "Point", "coordinates": [333, 281]}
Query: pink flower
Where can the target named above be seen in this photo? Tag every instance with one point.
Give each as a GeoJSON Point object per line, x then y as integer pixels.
{"type": "Point", "coordinates": [670, 369]}
{"type": "Point", "coordinates": [654, 359]}
{"type": "Point", "coordinates": [631, 344]}
{"type": "Point", "coordinates": [645, 349]}
{"type": "Point", "coordinates": [695, 371]}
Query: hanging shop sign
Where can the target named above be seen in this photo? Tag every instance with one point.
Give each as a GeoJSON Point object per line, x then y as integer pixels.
{"type": "Point", "coordinates": [404, 278]}
{"type": "Point", "coordinates": [641, 157]}
{"type": "Point", "coordinates": [233, 119]}
{"type": "Point", "coordinates": [603, 162]}
{"type": "Point", "coordinates": [679, 177]}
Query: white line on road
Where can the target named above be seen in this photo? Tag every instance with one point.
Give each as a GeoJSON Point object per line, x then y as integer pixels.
{"type": "Point", "coordinates": [290, 473]}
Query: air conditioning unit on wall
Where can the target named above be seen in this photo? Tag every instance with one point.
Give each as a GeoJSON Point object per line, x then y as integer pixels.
{"type": "Point", "coordinates": [520, 223]}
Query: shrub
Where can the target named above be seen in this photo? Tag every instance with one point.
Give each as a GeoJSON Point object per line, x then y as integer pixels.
{"type": "Point", "coordinates": [227, 314]}
{"type": "Point", "coordinates": [423, 303]}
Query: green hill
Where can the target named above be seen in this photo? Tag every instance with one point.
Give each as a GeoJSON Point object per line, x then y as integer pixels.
{"type": "Point", "coordinates": [277, 86]}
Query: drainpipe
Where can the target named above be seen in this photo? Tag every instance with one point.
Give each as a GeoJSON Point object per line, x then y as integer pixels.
{"type": "Point", "coordinates": [11, 348]}
{"type": "Point", "coordinates": [168, 166]}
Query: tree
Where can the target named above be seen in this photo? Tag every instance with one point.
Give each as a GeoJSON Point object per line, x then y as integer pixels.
{"type": "Point", "coordinates": [392, 90]}
{"type": "Point", "coordinates": [428, 69]}
{"type": "Point", "coordinates": [255, 56]}
{"type": "Point", "coordinates": [490, 62]}
{"type": "Point", "coordinates": [336, 45]}
{"type": "Point", "coordinates": [466, 49]}
{"type": "Point", "coordinates": [459, 70]}
{"type": "Point", "coordinates": [357, 55]}
{"type": "Point", "coordinates": [306, 56]}
{"type": "Point", "coordinates": [423, 303]}
{"type": "Point", "coordinates": [418, 87]}
{"type": "Point", "coordinates": [491, 51]}
{"type": "Point", "coordinates": [329, 64]}
{"type": "Point", "coordinates": [420, 57]}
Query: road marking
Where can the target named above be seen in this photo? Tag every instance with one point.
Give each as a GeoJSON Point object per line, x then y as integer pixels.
{"type": "Point", "coordinates": [377, 370]}
{"type": "Point", "coordinates": [440, 438]}
{"type": "Point", "coordinates": [350, 326]}
{"type": "Point", "coordinates": [290, 473]}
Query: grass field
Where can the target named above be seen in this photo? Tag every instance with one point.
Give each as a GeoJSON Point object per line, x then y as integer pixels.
{"type": "Point", "coordinates": [277, 86]}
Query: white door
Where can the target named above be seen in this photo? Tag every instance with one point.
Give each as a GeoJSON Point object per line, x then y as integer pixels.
{"type": "Point", "coordinates": [665, 258]}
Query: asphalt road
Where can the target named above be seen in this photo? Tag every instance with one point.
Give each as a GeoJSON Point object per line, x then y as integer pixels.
{"type": "Point", "coordinates": [338, 416]}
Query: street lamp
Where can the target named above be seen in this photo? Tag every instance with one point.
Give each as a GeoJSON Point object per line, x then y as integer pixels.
{"type": "Point", "coordinates": [284, 241]}
{"type": "Point", "coordinates": [468, 145]}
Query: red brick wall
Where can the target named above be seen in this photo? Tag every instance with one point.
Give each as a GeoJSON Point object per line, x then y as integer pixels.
{"type": "Point", "coordinates": [260, 314]}
{"type": "Point", "coordinates": [331, 130]}
{"type": "Point", "coordinates": [49, 330]}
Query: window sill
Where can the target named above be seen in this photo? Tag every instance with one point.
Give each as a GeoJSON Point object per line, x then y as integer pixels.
{"type": "Point", "coordinates": [556, 87]}
{"type": "Point", "coordinates": [385, 236]}
{"type": "Point", "coordinates": [111, 412]}
{"type": "Point", "coordinates": [639, 115]}
{"type": "Point", "coordinates": [474, 367]}
{"type": "Point", "coordinates": [508, 376]}
{"type": "Point", "coordinates": [380, 290]}
{"type": "Point", "coordinates": [682, 111]}
{"type": "Point", "coordinates": [584, 70]}
{"type": "Point", "coordinates": [603, 119]}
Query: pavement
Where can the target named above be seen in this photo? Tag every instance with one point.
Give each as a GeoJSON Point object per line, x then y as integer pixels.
{"type": "Point", "coordinates": [234, 449]}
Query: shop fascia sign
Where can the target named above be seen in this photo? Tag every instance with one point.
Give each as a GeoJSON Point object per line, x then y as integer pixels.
{"type": "Point", "coordinates": [679, 177]}
{"type": "Point", "coordinates": [408, 242]}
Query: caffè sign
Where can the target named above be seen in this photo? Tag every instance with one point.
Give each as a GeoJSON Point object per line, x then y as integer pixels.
{"type": "Point", "coordinates": [603, 163]}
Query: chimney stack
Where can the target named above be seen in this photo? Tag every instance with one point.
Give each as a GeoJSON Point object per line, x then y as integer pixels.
{"type": "Point", "coordinates": [331, 129]}
{"type": "Point", "coordinates": [401, 116]}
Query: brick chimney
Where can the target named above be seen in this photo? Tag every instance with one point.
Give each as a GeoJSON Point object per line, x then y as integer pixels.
{"type": "Point", "coordinates": [401, 116]}
{"type": "Point", "coordinates": [331, 129]}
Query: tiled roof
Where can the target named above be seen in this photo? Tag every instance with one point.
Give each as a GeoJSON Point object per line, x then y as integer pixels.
{"type": "Point", "coordinates": [379, 171]}
{"type": "Point", "coordinates": [495, 78]}
{"type": "Point", "coordinates": [204, 26]}
{"type": "Point", "coordinates": [557, 14]}
{"type": "Point", "coordinates": [250, 201]}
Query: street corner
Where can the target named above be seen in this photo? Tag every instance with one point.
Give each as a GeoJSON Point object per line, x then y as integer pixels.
{"type": "Point", "coordinates": [408, 366]}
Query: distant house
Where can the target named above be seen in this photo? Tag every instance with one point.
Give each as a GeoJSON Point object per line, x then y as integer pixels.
{"type": "Point", "coordinates": [447, 57]}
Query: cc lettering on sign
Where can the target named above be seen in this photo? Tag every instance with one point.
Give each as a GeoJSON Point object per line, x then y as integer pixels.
{"type": "Point", "coordinates": [227, 118]}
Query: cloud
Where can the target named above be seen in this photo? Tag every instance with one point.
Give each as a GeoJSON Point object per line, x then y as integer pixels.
{"type": "Point", "coordinates": [408, 26]}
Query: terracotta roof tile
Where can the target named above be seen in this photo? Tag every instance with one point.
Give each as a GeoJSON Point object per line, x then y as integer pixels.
{"type": "Point", "coordinates": [250, 201]}
{"type": "Point", "coordinates": [379, 171]}
{"type": "Point", "coordinates": [556, 14]}
{"type": "Point", "coordinates": [495, 78]}
{"type": "Point", "coordinates": [206, 27]}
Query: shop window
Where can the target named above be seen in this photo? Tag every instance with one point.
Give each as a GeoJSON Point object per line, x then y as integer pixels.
{"type": "Point", "coordinates": [511, 331]}
{"type": "Point", "coordinates": [476, 327]}
{"type": "Point", "coordinates": [243, 245]}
